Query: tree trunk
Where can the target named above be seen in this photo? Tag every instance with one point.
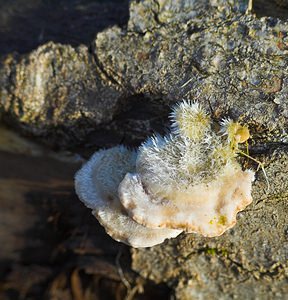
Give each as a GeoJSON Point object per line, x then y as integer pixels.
{"type": "Point", "coordinates": [119, 90]}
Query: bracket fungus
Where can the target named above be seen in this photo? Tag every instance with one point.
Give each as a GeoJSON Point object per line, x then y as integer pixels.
{"type": "Point", "coordinates": [187, 181]}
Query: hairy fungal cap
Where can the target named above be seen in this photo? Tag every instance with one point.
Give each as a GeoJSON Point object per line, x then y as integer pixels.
{"type": "Point", "coordinates": [186, 181]}
{"type": "Point", "coordinates": [235, 131]}
{"type": "Point", "coordinates": [190, 120]}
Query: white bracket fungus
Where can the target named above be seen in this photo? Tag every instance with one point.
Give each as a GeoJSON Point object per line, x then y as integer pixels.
{"type": "Point", "coordinates": [96, 184]}
{"type": "Point", "coordinates": [187, 181]}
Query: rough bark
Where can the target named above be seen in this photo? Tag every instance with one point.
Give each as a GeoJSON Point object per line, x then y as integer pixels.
{"type": "Point", "coordinates": [235, 64]}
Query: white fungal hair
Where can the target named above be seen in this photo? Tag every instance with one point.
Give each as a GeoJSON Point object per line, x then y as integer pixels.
{"type": "Point", "coordinates": [176, 161]}
{"type": "Point", "coordinates": [189, 119]}
{"type": "Point", "coordinates": [187, 180]}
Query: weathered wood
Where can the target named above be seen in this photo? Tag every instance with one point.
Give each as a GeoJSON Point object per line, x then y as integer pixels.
{"type": "Point", "coordinates": [233, 63]}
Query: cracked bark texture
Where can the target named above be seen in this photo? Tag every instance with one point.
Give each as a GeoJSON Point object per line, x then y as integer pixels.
{"type": "Point", "coordinates": [235, 64]}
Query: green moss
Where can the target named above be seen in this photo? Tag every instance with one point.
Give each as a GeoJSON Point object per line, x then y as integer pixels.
{"type": "Point", "coordinates": [211, 251]}
{"type": "Point", "coordinates": [215, 251]}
